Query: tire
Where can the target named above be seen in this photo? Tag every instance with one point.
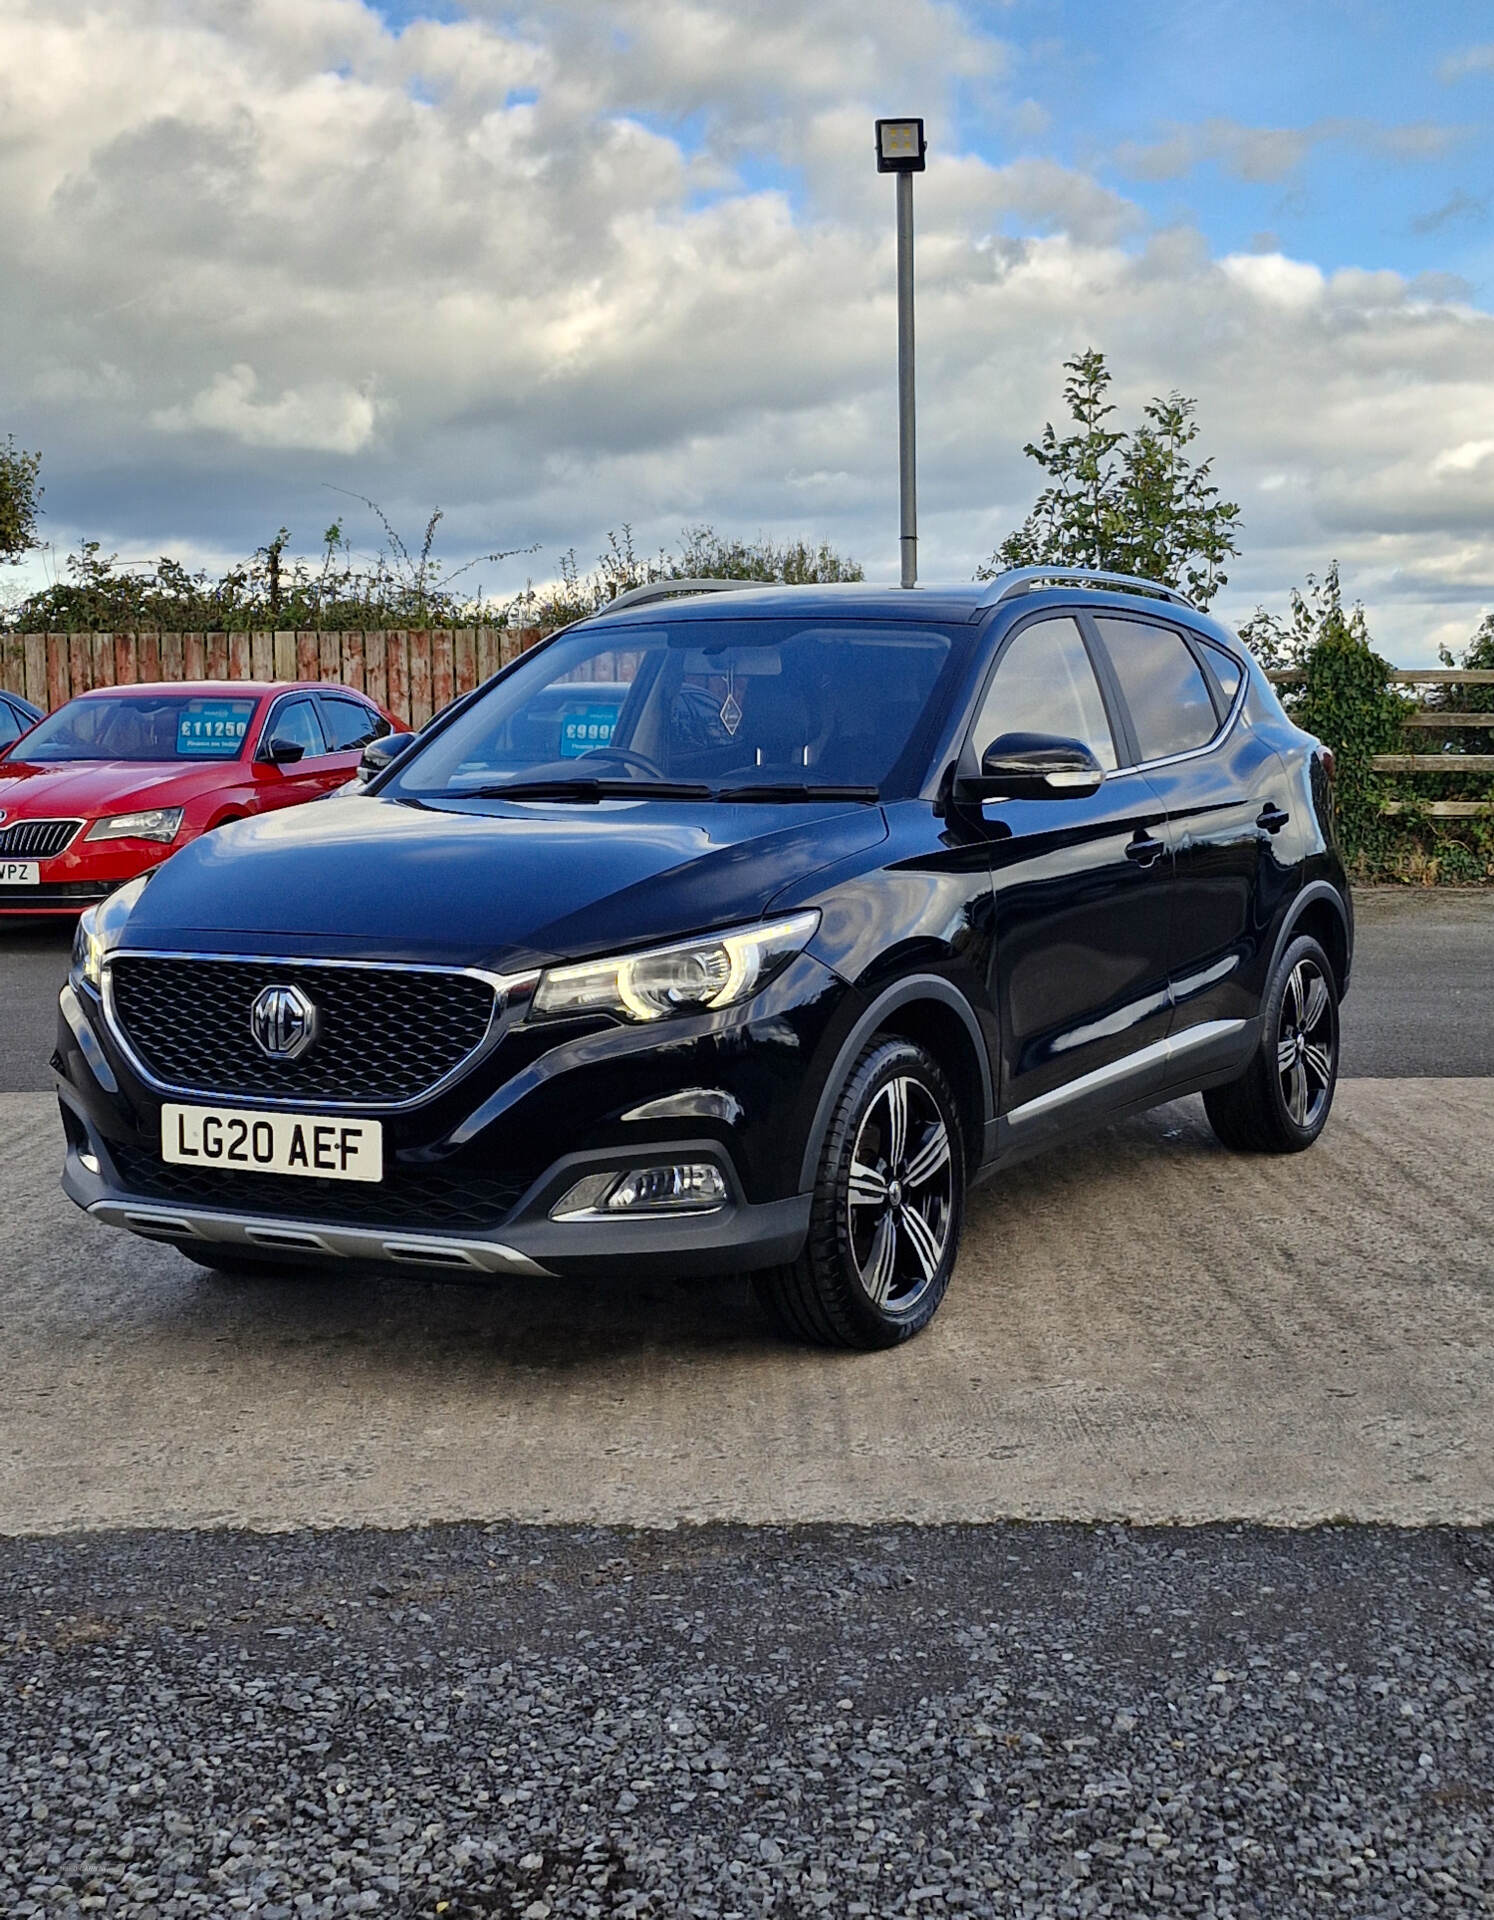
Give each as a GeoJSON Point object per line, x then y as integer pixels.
{"type": "Point", "coordinates": [1281, 1103]}
{"type": "Point", "coordinates": [889, 1204]}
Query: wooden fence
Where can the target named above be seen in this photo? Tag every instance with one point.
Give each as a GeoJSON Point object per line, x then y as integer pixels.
{"type": "Point", "coordinates": [1436, 720]}
{"type": "Point", "coordinates": [413, 673]}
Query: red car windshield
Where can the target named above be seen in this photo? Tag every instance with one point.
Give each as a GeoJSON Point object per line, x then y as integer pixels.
{"type": "Point", "coordinates": [140, 726]}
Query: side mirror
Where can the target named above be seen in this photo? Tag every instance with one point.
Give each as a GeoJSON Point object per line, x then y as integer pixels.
{"type": "Point", "coordinates": [284, 753]}
{"type": "Point", "coordinates": [1036, 766]}
{"type": "Point", "coordinates": [378, 753]}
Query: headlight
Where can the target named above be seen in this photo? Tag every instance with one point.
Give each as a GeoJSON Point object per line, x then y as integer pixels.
{"type": "Point", "coordinates": [101, 928]}
{"type": "Point", "coordinates": [693, 977]}
{"type": "Point", "coordinates": [152, 823]}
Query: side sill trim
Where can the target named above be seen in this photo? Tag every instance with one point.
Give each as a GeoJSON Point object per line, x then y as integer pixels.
{"type": "Point", "coordinates": [1132, 1066]}
{"type": "Point", "coordinates": [174, 1224]}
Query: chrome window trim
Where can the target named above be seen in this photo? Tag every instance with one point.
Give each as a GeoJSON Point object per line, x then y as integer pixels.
{"type": "Point", "coordinates": [511, 996]}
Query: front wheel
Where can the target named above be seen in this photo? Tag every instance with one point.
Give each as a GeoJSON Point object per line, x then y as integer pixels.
{"type": "Point", "coordinates": [1280, 1104]}
{"type": "Point", "coordinates": [889, 1202]}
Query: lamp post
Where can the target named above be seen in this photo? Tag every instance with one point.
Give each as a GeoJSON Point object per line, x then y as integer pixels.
{"type": "Point", "coordinates": [900, 150]}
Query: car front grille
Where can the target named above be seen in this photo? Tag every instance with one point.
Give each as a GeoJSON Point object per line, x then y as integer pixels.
{"type": "Point", "coordinates": [36, 839]}
{"type": "Point", "coordinates": [386, 1035]}
{"type": "Point", "coordinates": [432, 1202]}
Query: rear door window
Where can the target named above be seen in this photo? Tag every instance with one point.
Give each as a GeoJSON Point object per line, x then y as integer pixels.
{"type": "Point", "coordinates": [1227, 671]}
{"type": "Point", "coordinates": [349, 723]}
{"type": "Point", "coordinates": [1171, 707]}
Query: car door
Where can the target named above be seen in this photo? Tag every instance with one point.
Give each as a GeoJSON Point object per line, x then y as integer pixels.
{"type": "Point", "coordinates": [1226, 795]}
{"type": "Point", "coordinates": [1081, 886]}
{"type": "Point", "coordinates": [293, 720]}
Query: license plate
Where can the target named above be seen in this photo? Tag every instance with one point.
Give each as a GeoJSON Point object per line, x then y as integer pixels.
{"type": "Point", "coordinates": [20, 873]}
{"type": "Point", "coordinates": [242, 1141]}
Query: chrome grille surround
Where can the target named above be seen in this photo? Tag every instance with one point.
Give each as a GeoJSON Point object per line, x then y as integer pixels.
{"type": "Point", "coordinates": [243, 1076]}
{"type": "Point", "coordinates": [38, 839]}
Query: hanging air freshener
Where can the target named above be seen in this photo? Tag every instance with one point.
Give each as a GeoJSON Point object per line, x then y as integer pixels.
{"type": "Point", "coordinates": [731, 711]}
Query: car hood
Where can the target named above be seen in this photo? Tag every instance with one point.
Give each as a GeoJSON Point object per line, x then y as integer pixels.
{"type": "Point", "coordinates": [36, 789]}
{"type": "Point", "coordinates": [494, 884]}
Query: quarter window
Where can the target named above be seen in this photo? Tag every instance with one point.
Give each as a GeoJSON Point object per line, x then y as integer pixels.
{"type": "Point", "coordinates": [1045, 684]}
{"type": "Point", "coordinates": [1171, 708]}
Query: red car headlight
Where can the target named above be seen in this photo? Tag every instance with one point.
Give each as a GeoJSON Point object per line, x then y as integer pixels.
{"type": "Point", "coordinates": [151, 823]}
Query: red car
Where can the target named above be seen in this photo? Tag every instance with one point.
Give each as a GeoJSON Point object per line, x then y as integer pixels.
{"type": "Point", "coordinates": [116, 780]}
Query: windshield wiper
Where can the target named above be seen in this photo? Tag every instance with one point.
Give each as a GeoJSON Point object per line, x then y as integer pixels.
{"type": "Point", "coordinates": [798, 790]}
{"type": "Point", "coordinates": [590, 790]}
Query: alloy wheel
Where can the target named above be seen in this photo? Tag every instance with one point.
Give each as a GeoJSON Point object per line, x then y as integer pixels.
{"type": "Point", "coordinates": [1305, 1044]}
{"type": "Point", "coordinates": [900, 1196]}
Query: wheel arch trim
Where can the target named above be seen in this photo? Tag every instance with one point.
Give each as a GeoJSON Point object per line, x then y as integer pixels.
{"type": "Point", "coordinates": [903, 993]}
{"type": "Point", "coordinates": [1315, 893]}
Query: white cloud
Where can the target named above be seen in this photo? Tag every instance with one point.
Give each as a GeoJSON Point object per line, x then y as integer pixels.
{"type": "Point", "coordinates": [1471, 60]}
{"type": "Point", "coordinates": [1272, 153]}
{"type": "Point", "coordinates": [326, 418]}
{"type": "Point", "coordinates": [566, 263]}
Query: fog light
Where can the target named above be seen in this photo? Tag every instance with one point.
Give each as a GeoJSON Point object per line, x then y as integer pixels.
{"type": "Point", "coordinates": [696, 1184]}
{"type": "Point", "coordinates": [689, 1188]}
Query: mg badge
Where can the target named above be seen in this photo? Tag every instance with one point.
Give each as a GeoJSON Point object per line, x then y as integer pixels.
{"type": "Point", "coordinates": [283, 1022]}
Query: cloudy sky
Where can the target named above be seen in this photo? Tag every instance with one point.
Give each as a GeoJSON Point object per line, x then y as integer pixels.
{"type": "Point", "coordinates": [560, 264]}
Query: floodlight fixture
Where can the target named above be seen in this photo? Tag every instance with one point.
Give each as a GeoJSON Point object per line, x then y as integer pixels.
{"type": "Point", "coordinates": [900, 146]}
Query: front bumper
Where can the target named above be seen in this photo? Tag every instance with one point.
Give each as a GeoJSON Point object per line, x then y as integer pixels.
{"type": "Point", "coordinates": [86, 872]}
{"type": "Point", "coordinates": [473, 1176]}
{"type": "Point", "coordinates": [56, 897]}
{"type": "Point", "coordinates": [736, 1236]}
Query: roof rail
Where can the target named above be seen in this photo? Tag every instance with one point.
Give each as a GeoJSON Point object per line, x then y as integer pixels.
{"type": "Point", "coordinates": [662, 589]}
{"type": "Point", "coordinates": [1017, 580]}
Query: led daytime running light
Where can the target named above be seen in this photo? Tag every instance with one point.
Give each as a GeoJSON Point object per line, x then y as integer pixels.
{"type": "Point", "coordinates": [696, 976]}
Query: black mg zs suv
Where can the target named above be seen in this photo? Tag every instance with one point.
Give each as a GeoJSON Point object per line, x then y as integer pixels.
{"type": "Point", "coordinates": [729, 931]}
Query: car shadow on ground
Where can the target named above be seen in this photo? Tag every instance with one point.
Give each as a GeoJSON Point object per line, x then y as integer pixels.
{"type": "Point", "coordinates": [566, 1326]}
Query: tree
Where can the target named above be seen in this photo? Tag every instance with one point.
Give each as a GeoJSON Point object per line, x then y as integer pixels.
{"type": "Point", "coordinates": [1342, 694]}
{"type": "Point", "coordinates": [1471, 698]}
{"type": "Point", "coordinates": [1124, 502]}
{"type": "Point", "coordinates": [703, 553]}
{"type": "Point", "coordinates": [19, 497]}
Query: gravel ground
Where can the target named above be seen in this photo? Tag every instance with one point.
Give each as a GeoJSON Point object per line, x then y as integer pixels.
{"type": "Point", "coordinates": [465, 1721]}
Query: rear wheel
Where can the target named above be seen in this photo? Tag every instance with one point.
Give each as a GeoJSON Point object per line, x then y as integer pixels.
{"type": "Point", "coordinates": [1280, 1104]}
{"type": "Point", "coordinates": [889, 1203]}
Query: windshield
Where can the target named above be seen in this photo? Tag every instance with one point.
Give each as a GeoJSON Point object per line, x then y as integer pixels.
{"type": "Point", "coordinates": [142, 726]}
{"type": "Point", "coordinates": [778, 706]}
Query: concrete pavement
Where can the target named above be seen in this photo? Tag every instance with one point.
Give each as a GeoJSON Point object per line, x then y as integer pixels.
{"type": "Point", "coordinates": [1142, 1328]}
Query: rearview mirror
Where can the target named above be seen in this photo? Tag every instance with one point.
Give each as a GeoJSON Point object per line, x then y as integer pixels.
{"type": "Point", "coordinates": [284, 753]}
{"type": "Point", "coordinates": [1036, 766]}
{"type": "Point", "coordinates": [378, 753]}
